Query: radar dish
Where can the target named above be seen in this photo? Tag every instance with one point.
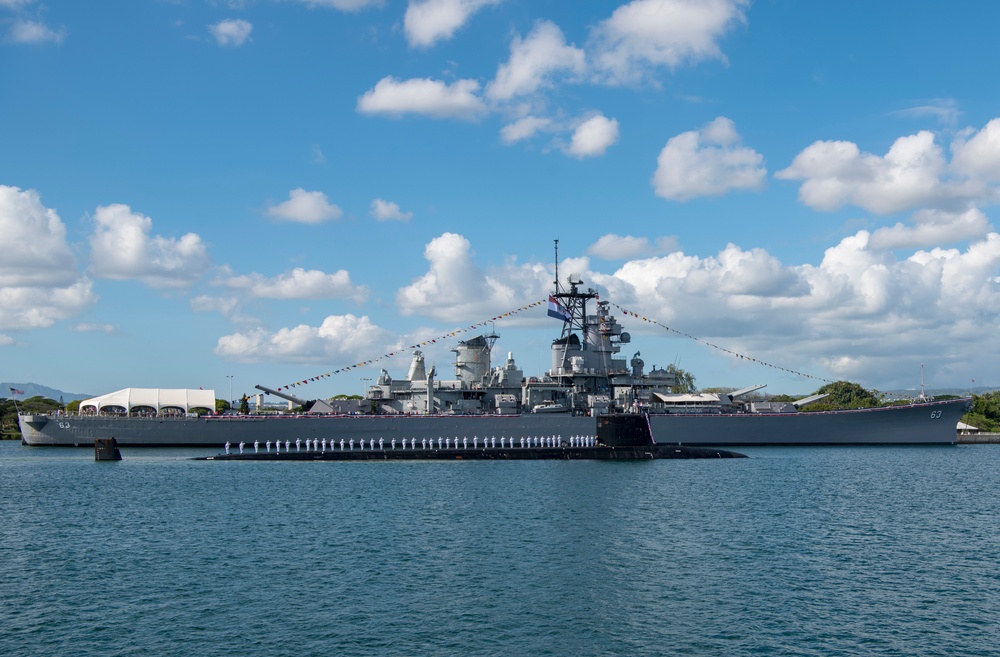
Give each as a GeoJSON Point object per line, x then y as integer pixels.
{"type": "Point", "coordinates": [574, 279]}
{"type": "Point", "coordinates": [625, 338]}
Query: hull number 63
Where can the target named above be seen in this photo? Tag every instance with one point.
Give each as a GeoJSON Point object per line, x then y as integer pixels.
{"type": "Point", "coordinates": [935, 415]}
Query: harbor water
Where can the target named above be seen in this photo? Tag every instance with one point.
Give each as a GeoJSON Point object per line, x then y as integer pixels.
{"type": "Point", "coordinates": [794, 551]}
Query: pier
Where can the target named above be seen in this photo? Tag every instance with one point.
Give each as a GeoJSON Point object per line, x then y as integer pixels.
{"type": "Point", "coordinates": [978, 438]}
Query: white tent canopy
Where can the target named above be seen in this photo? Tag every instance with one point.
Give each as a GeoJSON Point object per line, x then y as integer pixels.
{"type": "Point", "coordinates": [155, 398]}
{"type": "Point", "coordinates": [691, 399]}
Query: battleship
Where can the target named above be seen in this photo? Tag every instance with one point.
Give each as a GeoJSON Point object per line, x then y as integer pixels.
{"type": "Point", "coordinates": [588, 378]}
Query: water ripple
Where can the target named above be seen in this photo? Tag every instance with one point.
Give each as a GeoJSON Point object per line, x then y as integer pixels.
{"type": "Point", "coordinates": [811, 551]}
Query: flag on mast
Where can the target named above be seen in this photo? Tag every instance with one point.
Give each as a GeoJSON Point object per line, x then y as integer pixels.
{"type": "Point", "coordinates": [557, 310]}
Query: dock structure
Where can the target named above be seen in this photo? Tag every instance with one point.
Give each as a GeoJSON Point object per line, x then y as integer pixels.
{"type": "Point", "coordinates": [981, 438]}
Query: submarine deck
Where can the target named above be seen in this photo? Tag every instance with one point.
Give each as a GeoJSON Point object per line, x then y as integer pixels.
{"type": "Point", "coordinates": [600, 453]}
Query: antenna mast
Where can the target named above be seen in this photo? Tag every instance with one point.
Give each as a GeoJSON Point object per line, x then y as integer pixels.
{"type": "Point", "coordinates": [557, 267]}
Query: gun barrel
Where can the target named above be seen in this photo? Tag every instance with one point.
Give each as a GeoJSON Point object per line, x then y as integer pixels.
{"type": "Point", "coordinates": [291, 398]}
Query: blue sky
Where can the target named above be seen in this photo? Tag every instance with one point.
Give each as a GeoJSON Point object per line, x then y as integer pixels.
{"type": "Point", "coordinates": [274, 190]}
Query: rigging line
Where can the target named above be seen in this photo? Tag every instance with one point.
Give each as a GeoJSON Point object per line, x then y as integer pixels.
{"type": "Point", "coordinates": [417, 345]}
{"type": "Point", "coordinates": [717, 347]}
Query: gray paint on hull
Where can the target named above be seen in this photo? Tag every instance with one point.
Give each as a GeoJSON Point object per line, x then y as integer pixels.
{"type": "Point", "coordinates": [931, 423]}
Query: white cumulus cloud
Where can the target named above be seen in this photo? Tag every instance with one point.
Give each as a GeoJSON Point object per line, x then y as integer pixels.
{"type": "Point", "coordinates": [428, 21]}
{"type": "Point", "coordinates": [383, 210]}
{"type": "Point", "coordinates": [339, 340]}
{"type": "Point", "coordinates": [913, 175]}
{"type": "Point", "coordinates": [204, 303]}
{"type": "Point", "coordinates": [24, 308]}
{"type": "Point", "coordinates": [837, 173]}
{"type": "Point", "coordinates": [647, 34]}
{"type": "Point", "coordinates": [623, 247]}
{"type": "Point", "coordinates": [707, 162]}
{"type": "Point", "coordinates": [932, 228]}
{"type": "Point", "coordinates": [425, 96]}
{"type": "Point", "coordinates": [299, 284]}
{"type": "Point", "coordinates": [305, 208]}
{"type": "Point", "coordinates": [87, 327]}
{"type": "Point", "coordinates": [593, 137]}
{"type": "Point", "coordinates": [979, 155]}
{"type": "Point", "coordinates": [342, 5]}
{"type": "Point", "coordinates": [533, 61]}
{"type": "Point", "coordinates": [861, 314]}
{"type": "Point", "coordinates": [31, 32]}
{"type": "Point", "coordinates": [42, 257]}
{"type": "Point", "coordinates": [39, 281]}
{"type": "Point", "coordinates": [122, 248]}
{"type": "Point", "coordinates": [523, 128]}
{"type": "Point", "coordinates": [231, 32]}
{"type": "Point", "coordinates": [456, 289]}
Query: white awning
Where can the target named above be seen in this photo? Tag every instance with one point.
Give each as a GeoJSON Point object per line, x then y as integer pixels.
{"type": "Point", "coordinates": [156, 398]}
{"type": "Point", "coordinates": [693, 398]}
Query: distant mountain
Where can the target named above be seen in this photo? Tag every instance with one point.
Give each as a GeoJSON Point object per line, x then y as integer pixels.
{"type": "Point", "coordinates": [36, 390]}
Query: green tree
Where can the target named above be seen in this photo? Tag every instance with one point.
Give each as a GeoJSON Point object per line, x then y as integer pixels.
{"type": "Point", "coordinates": [985, 412]}
{"type": "Point", "coordinates": [39, 404]}
{"type": "Point", "coordinates": [221, 406]}
{"type": "Point", "coordinates": [843, 394]}
{"type": "Point", "coordinates": [8, 412]}
{"type": "Point", "coordinates": [8, 419]}
{"type": "Point", "coordinates": [245, 405]}
{"type": "Point", "coordinates": [685, 380]}
{"type": "Point", "coordinates": [73, 406]}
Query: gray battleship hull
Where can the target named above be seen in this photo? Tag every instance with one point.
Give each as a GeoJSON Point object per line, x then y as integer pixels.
{"type": "Point", "coordinates": [931, 423]}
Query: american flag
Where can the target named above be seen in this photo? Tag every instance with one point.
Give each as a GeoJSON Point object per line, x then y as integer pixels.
{"type": "Point", "coordinates": [16, 391]}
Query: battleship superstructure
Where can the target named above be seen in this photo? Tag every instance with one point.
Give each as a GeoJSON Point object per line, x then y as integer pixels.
{"type": "Point", "coordinates": [587, 378]}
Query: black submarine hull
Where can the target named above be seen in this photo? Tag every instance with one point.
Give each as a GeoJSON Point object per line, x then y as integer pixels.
{"type": "Point", "coordinates": [620, 437]}
{"type": "Point", "coordinates": [600, 453]}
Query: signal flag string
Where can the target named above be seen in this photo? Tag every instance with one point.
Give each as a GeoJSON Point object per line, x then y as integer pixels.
{"type": "Point", "coordinates": [717, 347]}
{"type": "Point", "coordinates": [416, 345]}
{"type": "Point", "coordinates": [535, 304]}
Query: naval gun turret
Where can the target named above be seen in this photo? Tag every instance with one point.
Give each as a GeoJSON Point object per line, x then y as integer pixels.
{"type": "Point", "coordinates": [308, 405]}
{"type": "Point", "coordinates": [291, 398]}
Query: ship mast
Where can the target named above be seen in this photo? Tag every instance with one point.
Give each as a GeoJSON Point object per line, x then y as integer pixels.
{"type": "Point", "coordinates": [557, 267]}
{"type": "Point", "coordinates": [575, 302]}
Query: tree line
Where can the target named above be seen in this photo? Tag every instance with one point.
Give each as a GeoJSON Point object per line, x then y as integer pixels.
{"type": "Point", "coordinates": [8, 412]}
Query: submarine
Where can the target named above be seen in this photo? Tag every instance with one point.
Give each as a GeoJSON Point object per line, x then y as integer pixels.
{"type": "Point", "coordinates": [620, 436]}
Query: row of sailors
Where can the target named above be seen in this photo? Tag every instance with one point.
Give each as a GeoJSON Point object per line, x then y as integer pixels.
{"type": "Point", "coordinates": [445, 443]}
